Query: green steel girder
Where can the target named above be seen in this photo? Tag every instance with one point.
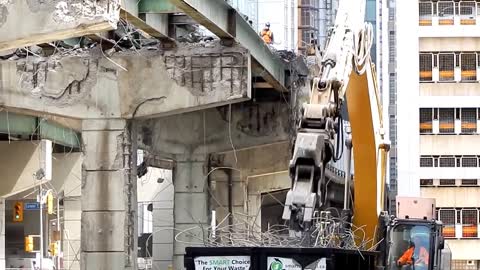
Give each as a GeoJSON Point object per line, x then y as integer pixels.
{"type": "Point", "coordinates": [225, 22]}
{"type": "Point", "coordinates": [59, 134]}
{"type": "Point", "coordinates": [156, 6]}
{"type": "Point", "coordinates": [18, 124]}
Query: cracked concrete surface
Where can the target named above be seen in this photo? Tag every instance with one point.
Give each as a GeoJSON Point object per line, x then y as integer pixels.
{"type": "Point", "coordinates": [61, 83]}
{"type": "Point", "coordinates": [210, 131]}
{"type": "Point", "coordinates": [54, 20]}
{"type": "Point", "coordinates": [149, 82]}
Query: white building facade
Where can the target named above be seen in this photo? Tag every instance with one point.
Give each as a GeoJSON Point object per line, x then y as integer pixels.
{"type": "Point", "coordinates": [436, 112]}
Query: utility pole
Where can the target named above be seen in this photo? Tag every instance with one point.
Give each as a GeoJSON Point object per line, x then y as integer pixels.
{"type": "Point", "coordinates": [44, 173]}
{"type": "Point", "coordinates": [40, 196]}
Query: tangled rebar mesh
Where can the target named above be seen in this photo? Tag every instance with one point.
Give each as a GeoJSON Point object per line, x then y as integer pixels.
{"type": "Point", "coordinates": [327, 232]}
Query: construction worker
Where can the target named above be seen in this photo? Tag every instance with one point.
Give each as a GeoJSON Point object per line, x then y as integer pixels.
{"type": "Point", "coordinates": [267, 34]}
{"type": "Point", "coordinates": [417, 253]}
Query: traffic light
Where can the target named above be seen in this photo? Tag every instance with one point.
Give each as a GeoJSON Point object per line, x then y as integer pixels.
{"type": "Point", "coordinates": [18, 212]}
{"type": "Point", "coordinates": [53, 249]}
{"type": "Point", "coordinates": [50, 203]}
{"type": "Point", "coordinates": [29, 243]}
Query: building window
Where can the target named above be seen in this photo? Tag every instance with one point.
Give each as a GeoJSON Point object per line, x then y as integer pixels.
{"type": "Point", "coordinates": [307, 36]}
{"type": "Point", "coordinates": [469, 182]}
{"type": "Point", "coordinates": [469, 66]}
{"type": "Point", "coordinates": [446, 11]}
{"type": "Point", "coordinates": [446, 63]}
{"type": "Point", "coordinates": [426, 162]}
{"type": "Point", "coordinates": [307, 18]}
{"type": "Point", "coordinates": [426, 182]}
{"type": "Point", "coordinates": [306, 3]}
{"type": "Point", "coordinates": [447, 182]}
{"type": "Point", "coordinates": [469, 161]}
{"type": "Point", "coordinates": [447, 216]}
{"type": "Point", "coordinates": [469, 222]}
{"type": "Point", "coordinates": [426, 117]}
{"type": "Point", "coordinates": [469, 120]}
{"type": "Point", "coordinates": [425, 10]}
{"type": "Point", "coordinates": [426, 67]}
{"type": "Point", "coordinates": [447, 161]}
{"type": "Point", "coordinates": [468, 12]}
{"type": "Point", "coordinates": [464, 265]}
{"type": "Point", "coordinates": [447, 120]}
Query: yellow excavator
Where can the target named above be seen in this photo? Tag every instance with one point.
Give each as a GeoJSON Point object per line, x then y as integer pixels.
{"type": "Point", "coordinates": [345, 73]}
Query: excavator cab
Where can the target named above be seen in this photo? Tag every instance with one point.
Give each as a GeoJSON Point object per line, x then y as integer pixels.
{"type": "Point", "coordinates": [414, 244]}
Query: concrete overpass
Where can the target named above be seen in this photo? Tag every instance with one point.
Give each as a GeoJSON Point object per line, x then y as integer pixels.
{"type": "Point", "coordinates": [109, 77]}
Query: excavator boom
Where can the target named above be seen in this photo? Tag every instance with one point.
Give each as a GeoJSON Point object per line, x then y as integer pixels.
{"type": "Point", "coordinates": [345, 72]}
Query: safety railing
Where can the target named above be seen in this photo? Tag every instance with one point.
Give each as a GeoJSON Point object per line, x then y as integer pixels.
{"type": "Point", "coordinates": [447, 13]}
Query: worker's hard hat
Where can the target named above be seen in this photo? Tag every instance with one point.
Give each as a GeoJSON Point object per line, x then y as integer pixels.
{"type": "Point", "coordinates": [267, 24]}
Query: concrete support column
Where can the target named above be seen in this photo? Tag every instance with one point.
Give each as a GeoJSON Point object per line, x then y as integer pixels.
{"type": "Point", "coordinates": [108, 197]}
{"type": "Point", "coordinates": [163, 235]}
{"type": "Point", "coordinates": [2, 234]}
{"type": "Point", "coordinates": [190, 204]}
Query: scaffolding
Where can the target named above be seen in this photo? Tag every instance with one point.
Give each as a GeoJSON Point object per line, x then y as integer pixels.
{"type": "Point", "coordinates": [325, 19]}
{"type": "Point", "coordinates": [310, 21]}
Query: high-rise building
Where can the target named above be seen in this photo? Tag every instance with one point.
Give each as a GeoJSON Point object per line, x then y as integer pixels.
{"type": "Point", "coordinates": [387, 73]}
{"type": "Point", "coordinates": [308, 22]}
{"type": "Point", "coordinates": [435, 113]}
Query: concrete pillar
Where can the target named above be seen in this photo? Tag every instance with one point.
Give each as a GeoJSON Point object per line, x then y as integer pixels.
{"type": "Point", "coordinates": [163, 234]}
{"type": "Point", "coordinates": [2, 234]}
{"type": "Point", "coordinates": [72, 210]}
{"type": "Point", "coordinates": [66, 172]}
{"type": "Point", "coordinates": [190, 204]}
{"type": "Point", "coordinates": [108, 197]}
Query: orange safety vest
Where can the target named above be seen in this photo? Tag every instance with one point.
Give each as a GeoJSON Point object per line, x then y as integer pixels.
{"type": "Point", "coordinates": [408, 254]}
{"type": "Point", "coordinates": [267, 36]}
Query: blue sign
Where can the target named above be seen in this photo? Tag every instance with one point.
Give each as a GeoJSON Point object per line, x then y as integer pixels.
{"type": "Point", "coordinates": [32, 206]}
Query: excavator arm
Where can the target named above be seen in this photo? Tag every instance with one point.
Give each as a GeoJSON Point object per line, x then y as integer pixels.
{"type": "Point", "coordinates": [345, 71]}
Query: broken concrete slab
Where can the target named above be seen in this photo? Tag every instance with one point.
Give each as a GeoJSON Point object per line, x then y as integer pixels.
{"type": "Point", "coordinates": [129, 84]}
{"type": "Point", "coordinates": [213, 130]}
{"type": "Point", "coordinates": [50, 20]}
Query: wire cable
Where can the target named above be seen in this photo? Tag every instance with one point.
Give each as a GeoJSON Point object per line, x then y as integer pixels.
{"type": "Point", "coordinates": [362, 46]}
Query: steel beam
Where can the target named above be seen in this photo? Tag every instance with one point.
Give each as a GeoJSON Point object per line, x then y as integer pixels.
{"type": "Point", "coordinates": [18, 124]}
{"type": "Point", "coordinates": [60, 135]}
{"type": "Point", "coordinates": [225, 22]}
{"type": "Point", "coordinates": [181, 19]}
{"type": "Point", "coordinates": [148, 6]}
{"type": "Point", "coordinates": [147, 28]}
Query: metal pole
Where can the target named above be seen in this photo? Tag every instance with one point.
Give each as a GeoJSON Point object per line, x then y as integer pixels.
{"type": "Point", "coordinates": [59, 242]}
{"type": "Point", "coordinates": [41, 226]}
